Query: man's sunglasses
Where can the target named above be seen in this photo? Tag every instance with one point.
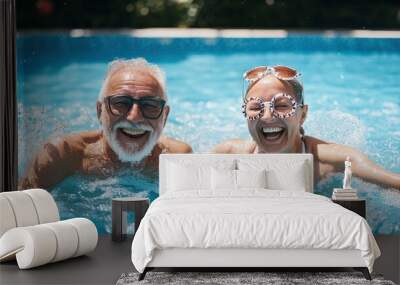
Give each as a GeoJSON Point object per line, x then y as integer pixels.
{"type": "Point", "coordinates": [120, 105]}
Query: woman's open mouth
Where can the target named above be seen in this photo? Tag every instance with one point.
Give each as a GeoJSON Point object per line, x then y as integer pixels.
{"type": "Point", "coordinates": [133, 133]}
{"type": "Point", "coordinates": [272, 134]}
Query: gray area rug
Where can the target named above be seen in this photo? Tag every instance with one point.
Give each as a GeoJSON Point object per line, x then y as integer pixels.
{"type": "Point", "coordinates": [228, 278]}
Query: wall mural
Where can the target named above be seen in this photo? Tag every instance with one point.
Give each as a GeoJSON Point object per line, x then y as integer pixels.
{"type": "Point", "coordinates": [84, 137]}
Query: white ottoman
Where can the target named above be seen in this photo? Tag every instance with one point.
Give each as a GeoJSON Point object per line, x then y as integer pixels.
{"type": "Point", "coordinates": [31, 232]}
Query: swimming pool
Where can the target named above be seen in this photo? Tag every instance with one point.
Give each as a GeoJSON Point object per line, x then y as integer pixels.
{"type": "Point", "coordinates": [352, 87]}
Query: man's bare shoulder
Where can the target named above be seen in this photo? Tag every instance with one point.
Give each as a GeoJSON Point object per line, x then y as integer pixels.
{"type": "Point", "coordinates": [75, 142]}
{"type": "Point", "coordinates": [89, 136]}
{"type": "Point", "coordinates": [235, 146]}
{"type": "Point", "coordinates": [171, 145]}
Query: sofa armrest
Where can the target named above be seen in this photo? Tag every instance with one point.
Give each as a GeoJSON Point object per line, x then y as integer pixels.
{"type": "Point", "coordinates": [40, 244]}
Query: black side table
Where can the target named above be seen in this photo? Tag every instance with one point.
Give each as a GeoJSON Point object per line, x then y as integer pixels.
{"type": "Point", "coordinates": [357, 206]}
{"type": "Point", "coordinates": [120, 207]}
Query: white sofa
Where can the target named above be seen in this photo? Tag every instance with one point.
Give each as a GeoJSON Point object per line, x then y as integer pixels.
{"type": "Point", "coordinates": [31, 231]}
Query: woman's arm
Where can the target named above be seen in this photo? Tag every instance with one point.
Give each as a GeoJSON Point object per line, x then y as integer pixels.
{"type": "Point", "coordinates": [362, 166]}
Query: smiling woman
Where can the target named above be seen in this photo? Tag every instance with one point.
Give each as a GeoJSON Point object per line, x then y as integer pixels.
{"type": "Point", "coordinates": [274, 106]}
{"type": "Point", "coordinates": [282, 106]}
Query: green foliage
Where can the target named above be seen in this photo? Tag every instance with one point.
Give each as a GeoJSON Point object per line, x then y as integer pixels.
{"type": "Point", "coordinates": [296, 14]}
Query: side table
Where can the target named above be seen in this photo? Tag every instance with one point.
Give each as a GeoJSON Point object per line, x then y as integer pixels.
{"type": "Point", "coordinates": [120, 207]}
{"type": "Point", "coordinates": [357, 206]}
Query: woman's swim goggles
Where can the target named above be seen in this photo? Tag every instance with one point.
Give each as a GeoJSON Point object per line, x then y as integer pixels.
{"type": "Point", "coordinates": [279, 71]}
{"type": "Point", "coordinates": [281, 105]}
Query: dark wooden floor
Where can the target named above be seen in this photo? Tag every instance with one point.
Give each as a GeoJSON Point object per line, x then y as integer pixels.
{"type": "Point", "coordinates": [111, 259]}
{"type": "Point", "coordinates": [103, 266]}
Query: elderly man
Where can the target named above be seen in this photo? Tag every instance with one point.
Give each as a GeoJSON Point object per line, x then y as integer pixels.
{"type": "Point", "coordinates": [275, 111]}
{"type": "Point", "coordinates": [132, 111]}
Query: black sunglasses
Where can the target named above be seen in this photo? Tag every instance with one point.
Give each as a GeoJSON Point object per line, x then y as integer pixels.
{"type": "Point", "coordinates": [119, 105]}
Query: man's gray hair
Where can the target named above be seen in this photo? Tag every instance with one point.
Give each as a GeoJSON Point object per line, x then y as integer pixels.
{"type": "Point", "coordinates": [134, 64]}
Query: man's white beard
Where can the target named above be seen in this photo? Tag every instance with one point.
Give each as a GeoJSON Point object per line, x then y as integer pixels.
{"type": "Point", "coordinates": [133, 154]}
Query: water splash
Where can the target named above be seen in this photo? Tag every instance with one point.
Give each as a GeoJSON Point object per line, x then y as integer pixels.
{"type": "Point", "coordinates": [336, 126]}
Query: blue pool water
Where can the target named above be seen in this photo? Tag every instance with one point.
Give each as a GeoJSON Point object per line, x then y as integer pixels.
{"type": "Point", "coordinates": [352, 87]}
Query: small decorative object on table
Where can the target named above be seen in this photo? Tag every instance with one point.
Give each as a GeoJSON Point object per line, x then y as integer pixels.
{"type": "Point", "coordinates": [345, 193]}
{"type": "Point", "coordinates": [120, 207]}
{"type": "Point", "coordinates": [347, 196]}
{"type": "Point", "coordinates": [347, 174]}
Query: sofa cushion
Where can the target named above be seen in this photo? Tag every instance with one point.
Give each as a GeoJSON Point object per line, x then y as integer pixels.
{"type": "Point", "coordinates": [40, 244]}
{"type": "Point", "coordinates": [7, 218]}
{"type": "Point", "coordinates": [45, 206]}
{"type": "Point", "coordinates": [26, 208]}
{"type": "Point", "coordinates": [23, 208]}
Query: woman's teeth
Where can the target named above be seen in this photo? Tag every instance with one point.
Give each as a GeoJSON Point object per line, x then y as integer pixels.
{"type": "Point", "coordinates": [272, 130]}
{"type": "Point", "coordinates": [273, 134]}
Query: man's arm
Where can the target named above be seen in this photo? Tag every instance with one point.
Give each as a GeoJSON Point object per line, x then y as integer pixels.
{"type": "Point", "coordinates": [55, 161]}
{"type": "Point", "coordinates": [362, 167]}
{"type": "Point", "coordinates": [171, 145]}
